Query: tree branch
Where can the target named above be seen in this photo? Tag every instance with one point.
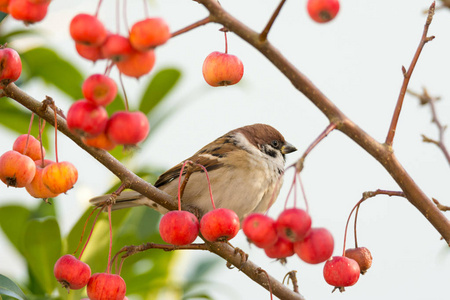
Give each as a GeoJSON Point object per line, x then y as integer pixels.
{"type": "Point", "coordinates": [224, 250]}
{"type": "Point", "coordinates": [381, 152]}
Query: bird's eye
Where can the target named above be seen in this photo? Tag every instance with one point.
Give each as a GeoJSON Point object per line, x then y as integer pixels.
{"type": "Point", "coordinates": [275, 144]}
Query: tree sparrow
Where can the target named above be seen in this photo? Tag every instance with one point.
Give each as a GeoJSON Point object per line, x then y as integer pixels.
{"type": "Point", "coordinates": [245, 167]}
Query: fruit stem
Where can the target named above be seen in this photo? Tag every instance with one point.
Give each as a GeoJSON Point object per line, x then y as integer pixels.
{"type": "Point", "coordinates": [293, 187]}
{"type": "Point", "coordinates": [365, 196]}
{"type": "Point", "coordinates": [303, 191]}
{"type": "Point", "coordinates": [82, 233]}
{"type": "Point", "coordinates": [125, 98]}
{"type": "Point", "coordinates": [28, 136]}
{"type": "Point", "coordinates": [226, 42]}
{"type": "Point", "coordinates": [90, 233]}
{"type": "Point", "coordinates": [125, 19]}
{"type": "Point", "coordinates": [108, 270]}
{"type": "Point", "coordinates": [179, 183]}
{"type": "Point", "coordinates": [146, 14]}
{"type": "Point", "coordinates": [41, 129]}
{"type": "Point", "coordinates": [56, 131]}
{"type": "Point", "coordinates": [98, 8]}
{"type": "Point", "coordinates": [268, 281]}
{"type": "Point", "coordinates": [354, 228]}
{"type": "Point", "coordinates": [192, 26]}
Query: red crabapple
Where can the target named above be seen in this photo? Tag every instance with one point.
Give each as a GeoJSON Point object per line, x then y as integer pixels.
{"type": "Point", "coordinates": [128, 128]}
{"type": "Point", "coordinates": [116, 48]}
{"type": "Point", "coordinates": [71, 272]}
{"type": "Point", "coordinates": [104, 286]}
{"type": "Point", "coordinates": [179, 227]}
{"type": "Point", "coordinates": [87, 29]}
{"type": "Point", "coordinates": [59, 177]}
{"type": "Point", "coordinates": [260, 230]}
{"type": "Point", "coordinates": [362, 256]}
{"type": "Point", "coordinates": [16, 170]}
{"type": "Point", "coordinates": [149, 33]}
{"type": "Point", "coordinates": [293, 224]}
{"type": "Point", "coordinates": [27, 11]}
{"type": "Point", "coordinates": [137, 63]}
{"type": "Point", "coordinates": [316, 247]}
{"type": "Point", "coordinates": [10, 66]}
{"type": "Point", "coordinates": [322, 11]}
{"type": "Point", "coordinates": [222, 69]}
{"type": "Point", "coordinates": [87, 118]}
{"type": "Point", "coordinates": [220, 224]}
{"type": "Point", "coordinates": [341, 271]}
{"type": "Point", "coordinates": [36, 187]}
{"type": "Point", "coordinates": [33, 148]}
{"type": "Point", "coordinates": [281, 249]}
{"type": "Point", "coordinates": [99, 89]}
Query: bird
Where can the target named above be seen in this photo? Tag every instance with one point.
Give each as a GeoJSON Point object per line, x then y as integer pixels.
{"type": "Point", "coordinates": [245, 167]}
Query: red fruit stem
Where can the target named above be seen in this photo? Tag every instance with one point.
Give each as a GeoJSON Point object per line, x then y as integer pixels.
{"type": "Point", "coordinates": [209, 185]}
{"type": "Point", "coordinates": [303, 191]}
{"type": "Point", "coordinates": [192, 26]}
{"type": "Point", "coordinates": [293, 187]}
{"type": "Point", "coordinates": [29, 132]}
{"type": "Point", "coordinates": [354, 227]}
{"type": "Point", "coordinates": [367, 195]}
{"type": "Point", "coordinates": [121, 265]}
{"type": "Point", "coordinates": [108, 269]}
{"type": "Point", "coordinates": [265, 32]}
{"type": "Point", "coordinates": [82, 232]}
{"type": "Point", "coordinates": [41, 126]}
{"type": "Point", "coordinates": [125, 98]}
{"type": "Point", "coordinates": [146, 14]}
{"type": "Point", "coordinates": [124, 13]}
{"type": "Point", "coordinates": [98, 7]}
{"type": "Point", "coordinates": [90, 233]}
{"type": "Point", "coordinates": [117, 16]}
{"type": "Point", "coordinates": [226, 41]}
{"type": "Point", "coordinates": [56, 132]}
{"type": "Point", "coordinates": [299, 164]}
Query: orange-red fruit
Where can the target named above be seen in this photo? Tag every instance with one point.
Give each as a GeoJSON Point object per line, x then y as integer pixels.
{"type": "Point", "coordinates": [220, 224]}
{"type": "Point", "coordinates": [322, 11]}
{"type": "Point", "coordinates": [281, 249]}
{"type": "Point", "coordinates": [10, 66]}
{"type": "Point", "coordinates": [149, 33]}
{"type": "Point", "coordinates": [71, 272]}
{"type": "Point", "coordinates": [293, 224]}
{"type": "Point", "coordinates": [341, 271]}
{"type": "Point", "coordinates": [128, 128]}
{"type": "Point", "coordinates": [59, 177]}
{"type": "Point", "coordinates": [116, 47]}
{"type": "Point", "coordinates": [99, 89]}
{"type": "Point", "coordinates": [362, 256]}
{"type": "Point", "coordinates": [101, 141]}
{"type": "Point", "coordinates": [222, 69]}
{"type": "Point", "coordinates": [36, 187]}
{"type": "Point", "coordinates": [27, 11]}
{"type": "Point", "coordinates": [104, 286]}
{"type": "Point", "coordinates": [179, 227]}
{"type": "Point", "coordinates": [316, 247]}
{"type": "Point", "coordinates": [33, 149]}
{"type": "Point", "coordinates": [260, 230]}
{"type": "Point", "coordinates": [93, 53]}
{"type": "Point", "coordinates": [137, 63]}
{"type": "Point", "coordinates": [4, 5]}
{"type": "Point", "coordinates": [87, 118]}
{"type": "Point", "coordinates": [87, 29]}
{"type": "Point", "coordinates": [16, 170]}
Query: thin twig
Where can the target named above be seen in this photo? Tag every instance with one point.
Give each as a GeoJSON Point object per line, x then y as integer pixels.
{"type": "Point", "coordinates": [301, 160]}
{"type": "Point", "coordinates": [407, 76]}
{"type": "Point", "coordinates": [265, 32]}
{"type": "Point", "coordinates": [440, 206]}
{"type": "Point", "coordinates": [192, 26]}
{"type": "Point", "coordinates": [425, 99]}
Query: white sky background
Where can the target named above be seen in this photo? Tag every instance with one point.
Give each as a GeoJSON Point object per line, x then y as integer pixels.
{"type": "Point", "coordinates": [356, 61]}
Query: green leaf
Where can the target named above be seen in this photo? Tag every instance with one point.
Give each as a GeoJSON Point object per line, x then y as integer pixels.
{"type": "Point", "coordinates": [13, 220]}
{"type": "Point", "coordinates": [9, 288]}
{"type": "Point", "coordinates": [46, 64]}
{"type": "Point", "coordinates": [8, 37]}
{"type": "Point", "coordinates": [160, 85]}
{"type": "Point", "coordinates": [42, 248]}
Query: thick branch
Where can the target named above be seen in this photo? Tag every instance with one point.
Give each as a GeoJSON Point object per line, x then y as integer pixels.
{"type": "Point", "coordinates": [136, 183]}
{"type": "Point", "coordinates": [380, 152]}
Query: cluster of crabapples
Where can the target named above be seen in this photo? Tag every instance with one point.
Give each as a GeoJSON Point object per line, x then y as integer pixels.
{"type": "Point", "coordinates": [179, 227]}
{"type": "Point", "coordinates": [28, 11]}
{"type": "Point", "coordinates": [89, 118]}
{"type": "Point", "coordinates": [25, 166]}
{"type": "Point", "coordinates": [73, 274]}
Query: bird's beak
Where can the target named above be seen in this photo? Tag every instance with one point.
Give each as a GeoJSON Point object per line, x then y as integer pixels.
{"type": "Point", "coordinates": [288, 148]}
